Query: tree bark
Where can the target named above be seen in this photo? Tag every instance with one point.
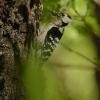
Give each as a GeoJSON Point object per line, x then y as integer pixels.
{"type": "Point", "coordinates": [19, 25]}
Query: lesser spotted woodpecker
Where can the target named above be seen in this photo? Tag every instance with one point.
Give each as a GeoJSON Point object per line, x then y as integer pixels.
{"type": "Point", "coordinates": [50, 37]}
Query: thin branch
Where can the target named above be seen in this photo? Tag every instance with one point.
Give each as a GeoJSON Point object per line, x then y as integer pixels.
{"type": "Point", "coordinates": [81, 55]}
{"type": "Point", "coordinates": [83, 18]}
{"type": "Point", "coordinates": [73, 66]}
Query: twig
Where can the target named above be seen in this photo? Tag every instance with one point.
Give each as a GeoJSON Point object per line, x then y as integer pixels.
{"type": "Point", "coordinates": [83, 56]}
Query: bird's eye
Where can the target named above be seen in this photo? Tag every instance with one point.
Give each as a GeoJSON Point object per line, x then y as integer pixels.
{"type": "Point", "coordinates": [63, 14]}
{"type": "Point", "coordinates": [68, 16]}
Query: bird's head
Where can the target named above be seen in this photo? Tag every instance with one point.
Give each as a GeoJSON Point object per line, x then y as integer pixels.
{"type": "Point", "coordinates": [63, 19]}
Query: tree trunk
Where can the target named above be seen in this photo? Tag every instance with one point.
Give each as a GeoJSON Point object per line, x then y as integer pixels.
{"type": "Point", "coordinates": [19, 25]}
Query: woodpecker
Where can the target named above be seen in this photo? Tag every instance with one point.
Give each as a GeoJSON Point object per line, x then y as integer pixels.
{"type": "Point", "coordinates": [50, 37]}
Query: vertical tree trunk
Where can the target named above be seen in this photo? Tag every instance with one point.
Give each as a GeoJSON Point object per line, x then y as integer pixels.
{"type": "Point", "coordinates": [19, 25]}
{"type": "Point", "coordinates": [97, 43]}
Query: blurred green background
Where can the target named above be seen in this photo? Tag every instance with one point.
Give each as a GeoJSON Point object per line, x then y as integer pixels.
{"type": "Point", "coordinates": [69, 74]}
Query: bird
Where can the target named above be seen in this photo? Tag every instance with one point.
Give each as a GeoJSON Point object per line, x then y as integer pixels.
{"type": "Point", "coordinates": [49, 38]}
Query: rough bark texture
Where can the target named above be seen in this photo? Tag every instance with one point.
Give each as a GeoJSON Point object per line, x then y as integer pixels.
{"type": "Point", "coordinates": [19, 25]}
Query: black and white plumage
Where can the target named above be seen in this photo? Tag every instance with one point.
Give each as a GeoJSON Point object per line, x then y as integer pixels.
{"type": "Point", "coordinates": [50, 37]}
